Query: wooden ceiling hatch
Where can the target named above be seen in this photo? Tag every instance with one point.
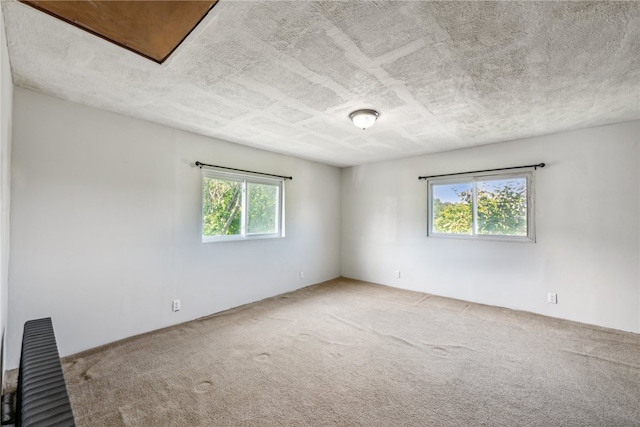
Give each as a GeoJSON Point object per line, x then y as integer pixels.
{"type": "Point", "coordinates": [153, 29]}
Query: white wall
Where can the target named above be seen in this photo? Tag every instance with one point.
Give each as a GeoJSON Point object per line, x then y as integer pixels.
{"type": "Point", "coordinates": [106, 226]}
{"type": "Point", "coordinates": [588, 235]}
{"type": "Point", "coordinates": [6, 101]}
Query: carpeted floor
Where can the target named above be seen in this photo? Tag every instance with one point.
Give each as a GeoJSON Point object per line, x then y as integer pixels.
{"type": "Point", "coordinates": [348, 353]}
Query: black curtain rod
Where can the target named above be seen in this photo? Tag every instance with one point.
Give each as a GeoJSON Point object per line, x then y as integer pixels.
{"type": "Point", "coordinates": [539, 165]}
{"type": "Point", "coordinates": [200, 165]}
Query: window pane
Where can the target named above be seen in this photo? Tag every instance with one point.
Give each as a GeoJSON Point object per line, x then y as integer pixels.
{"type": "Point", "coordinates": [452, 208]}
{"type": "Point", "coordinates": [221, 207]}
{"type": "Point", "coordinates": [502, 207]}
{"type": "Point", "coordinates": [262, 200]}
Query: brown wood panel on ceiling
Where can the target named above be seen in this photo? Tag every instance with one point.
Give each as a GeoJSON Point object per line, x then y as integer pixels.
{"type": "Point", "coordinates": [153, 29]}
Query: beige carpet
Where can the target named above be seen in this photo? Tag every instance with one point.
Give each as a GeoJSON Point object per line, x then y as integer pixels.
{"type": "Point", "coordinates": [348, 353]}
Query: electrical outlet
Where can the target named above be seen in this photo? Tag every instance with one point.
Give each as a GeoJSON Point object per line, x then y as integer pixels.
{"type": "Point", "coordinates": [301, 274]}
{"type": "Point", "coordinates": [552, 298]}
{"type": "Point", "coordinates": [176, 305]}
{"type": "Point", "coordinates": [397, 274]}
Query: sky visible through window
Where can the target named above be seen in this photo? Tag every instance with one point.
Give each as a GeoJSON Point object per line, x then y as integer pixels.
{"type": "Point", "coordinates": [449, 192]}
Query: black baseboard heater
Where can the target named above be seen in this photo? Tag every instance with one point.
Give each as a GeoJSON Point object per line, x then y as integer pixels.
{"type": "Point", "coordinates": [42, 399]}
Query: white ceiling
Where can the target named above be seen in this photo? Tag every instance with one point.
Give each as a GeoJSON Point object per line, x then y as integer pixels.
{"type": "Point", "coordinates": [284, 75]}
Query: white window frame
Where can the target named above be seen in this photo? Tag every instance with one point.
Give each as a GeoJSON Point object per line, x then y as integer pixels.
{"type": "Point", "coordinates": [473, 179]}
{"type": "Point", "coordinates": [244, 179]}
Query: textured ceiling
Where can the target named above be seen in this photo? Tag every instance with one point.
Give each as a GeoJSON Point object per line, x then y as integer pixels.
{"type": "Point", "coordinates": [284, 75]}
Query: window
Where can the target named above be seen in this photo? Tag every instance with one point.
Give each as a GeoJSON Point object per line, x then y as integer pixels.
{"type": "Point", "coordinates": [482, 206]}
{"type": "Point", "coordinates": [240, 206]}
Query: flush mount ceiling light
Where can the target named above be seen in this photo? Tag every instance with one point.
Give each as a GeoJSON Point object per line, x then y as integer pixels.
{"type": "Point", "coordinates": [364, 119]}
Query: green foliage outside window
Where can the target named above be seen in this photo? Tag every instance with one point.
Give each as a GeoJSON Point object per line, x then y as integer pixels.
{"type": "Point", "coordinates": [501, 209]}
{"type": "Point", "coordinates": [452, 217]}
{"type": "Point", "coordinates": [221, 207]}
{"type": "Point", "coordinates": [262, 201]}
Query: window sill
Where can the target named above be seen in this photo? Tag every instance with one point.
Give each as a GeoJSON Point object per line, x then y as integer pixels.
{"type": "Point", "coordinates": [218, 239]}
{"type": "Point", "coordinates": [492, 238]}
